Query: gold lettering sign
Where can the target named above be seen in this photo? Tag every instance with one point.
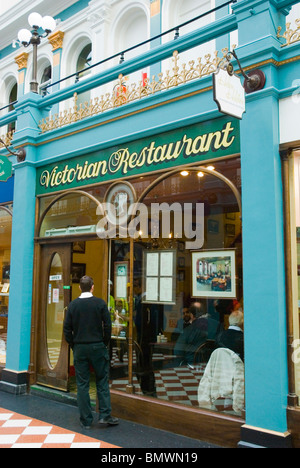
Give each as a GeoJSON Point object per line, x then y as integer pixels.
{"type": "Point", "coordinates": [126, 161]}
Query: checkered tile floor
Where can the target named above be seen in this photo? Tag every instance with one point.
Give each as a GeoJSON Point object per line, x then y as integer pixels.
{"type": "Point", "coordinates": [174, 384]}
{"type": "Point", "coordinates": [178, 384]}
{"type": "Point", "coordinates": [17, 431]}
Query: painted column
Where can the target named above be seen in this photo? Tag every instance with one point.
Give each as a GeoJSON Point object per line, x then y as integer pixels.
{"type": "Point", "coordinates": [21, 60]}
{"type": "Point", "coordinates": [22, 245]}
{"type": "Point", "coordinates": [263, 237]}
{"type": "Point", "coordinates": [56, 40]}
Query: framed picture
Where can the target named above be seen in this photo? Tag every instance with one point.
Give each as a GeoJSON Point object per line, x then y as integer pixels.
{"type": "Point", "coordinates": [77, 271]}
{"type": "Point", "coordinates": [213, 226]}
{"type": "Point", "coordinates": [230, 229]}
{"type": "Point", "coordinates": [79, 247]}
{"type": "Point", "coordinates": [213, 274]}
{"type": "Point", "coordinates": [6, 272]}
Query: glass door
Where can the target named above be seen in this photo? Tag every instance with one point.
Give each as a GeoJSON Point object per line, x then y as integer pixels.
{"type": "Point", "coordinates": [55, 295]}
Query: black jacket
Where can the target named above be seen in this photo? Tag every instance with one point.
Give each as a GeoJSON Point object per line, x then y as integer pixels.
{"type": "Point", "coordinates": [87, 321]}
{"type": "Point", "coordinates": [232, 339]}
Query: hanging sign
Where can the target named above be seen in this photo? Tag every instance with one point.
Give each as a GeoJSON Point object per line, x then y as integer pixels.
{"type": "Point", "coordinates": [229, 93]}
{"type": "Point", "coordinates": [5, 168]}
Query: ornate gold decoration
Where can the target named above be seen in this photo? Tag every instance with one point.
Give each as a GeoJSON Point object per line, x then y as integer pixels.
{"type": "Point", "coordinates": [21, 60]}
{"type": "Point", "coordinates": [56, 40]}
{"type": "Point", "coordinates": [7, 139]}
{"type": "Point", "coordinates": [123, 94]}
{"type": "Point", "coordinates": [289, 34]}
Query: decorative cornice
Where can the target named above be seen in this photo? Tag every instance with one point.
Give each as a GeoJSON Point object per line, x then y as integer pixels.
{"type": "Point", "coordinates": [56, 40]}
{"type": "Point", "coordinates": [21, 60]}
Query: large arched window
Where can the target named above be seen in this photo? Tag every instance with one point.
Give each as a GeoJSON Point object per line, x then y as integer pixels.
{"type": "Point", "coordinates": [12, 98]}
{"type": "Point", "coordinates": [46, 76]}
{"type": "Point", "coordinates": [176, 12]}
{"type": "Point", "coordinates": [61, 215]}
{"type": "Point", "coordinates": [131, 28]}
{"type": "Point", "coordinates": [84, 61]}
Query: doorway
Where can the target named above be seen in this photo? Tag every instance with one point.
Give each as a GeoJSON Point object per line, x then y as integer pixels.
{"type": "Point", "coordinates": [61, 267]}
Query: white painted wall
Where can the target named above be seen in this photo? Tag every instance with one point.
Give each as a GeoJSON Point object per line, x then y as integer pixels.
{"type": "Point", "coordinates": [289, 114]}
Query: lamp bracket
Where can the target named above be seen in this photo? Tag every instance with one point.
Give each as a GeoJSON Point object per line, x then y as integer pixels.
{"type": "Point", "coordinates": [20, 154]}
{"type": "Point", "coordinates": [254, 80]}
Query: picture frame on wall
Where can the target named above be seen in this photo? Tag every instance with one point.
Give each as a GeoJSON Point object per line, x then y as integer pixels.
{"type": "Point", "coordinates": [213, 226]}
{"type": "Point", "coordinates": [5, 272]}
{"type": "Point", "coordinates": [77, 271]}
{"type": "Point", "coordinates": [79, 247]}
{"type": "Point", "coordinates": [213, 274]}
{"type": "Point", "coordinates": [230, 229]}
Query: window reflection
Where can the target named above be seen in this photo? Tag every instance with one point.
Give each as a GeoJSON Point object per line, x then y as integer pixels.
{"type": "Point", "coordinates": [5, 244]}
{"type": "Point", "coordinates": [55, 310]}
{"type": "Point", "coordinates": [182, 311]}
{"type": "Point", "coordinates": [69, 212]}
{"type": "Point", "coordinates": [187, 349]}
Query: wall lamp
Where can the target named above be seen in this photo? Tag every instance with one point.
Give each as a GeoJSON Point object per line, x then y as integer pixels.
{"type": "Point", "coordinates": [20, 154]}
{"type": "Point", "coordinates": [26, 37]}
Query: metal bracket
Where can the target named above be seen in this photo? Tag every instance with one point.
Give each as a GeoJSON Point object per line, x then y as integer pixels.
{"type": "Point", "coordinates": [254, 80]}
{"type": "Point", "coordinates": [20, 154]}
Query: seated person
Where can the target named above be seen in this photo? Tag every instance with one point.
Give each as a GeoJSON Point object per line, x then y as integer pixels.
{"type": "Point", "coordinates": [193, 335]}
{"type": "Point", "coordinates": [182, 323]}
{"type": "Point", "coordinates": [233, 337]}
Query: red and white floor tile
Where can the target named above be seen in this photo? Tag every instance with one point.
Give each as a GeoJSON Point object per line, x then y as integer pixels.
{"type": "Point", "coordinates": [18, 431]}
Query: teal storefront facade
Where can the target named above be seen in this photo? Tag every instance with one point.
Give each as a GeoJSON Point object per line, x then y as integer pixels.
{"type": "Point", "coordinates": [178, 128]}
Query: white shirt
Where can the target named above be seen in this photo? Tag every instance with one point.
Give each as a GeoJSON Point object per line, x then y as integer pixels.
{"type": "Point", "coordinates": [234, 327]}
{"type": "Point", "coordinates": [85, 295]}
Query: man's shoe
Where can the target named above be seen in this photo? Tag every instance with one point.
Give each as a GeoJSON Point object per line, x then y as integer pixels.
{"type": "Point", "coordinates": [109, 421]}
{"type": "Point", "coordinates": [87, 428]}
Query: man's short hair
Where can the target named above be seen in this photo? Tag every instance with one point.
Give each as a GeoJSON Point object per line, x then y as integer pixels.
{"type": "Point", "coordinates": [86, 283]}
{"type": "Point", "coordinates": [196, 309]}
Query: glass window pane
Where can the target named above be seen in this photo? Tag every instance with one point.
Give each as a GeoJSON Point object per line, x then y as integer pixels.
{"type": "Point", "coordinates": [118, 304]}
{"type": "Point", "coordinates": [187, 307]}
{"type": "Point", "coordinates": [55, 310]}
{"type": "Point", "coordinates": [71, 211]}
{"type": "Point", "coordinates": [5, 245]}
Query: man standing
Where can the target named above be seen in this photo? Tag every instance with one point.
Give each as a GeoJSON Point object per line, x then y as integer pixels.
{"type": "Point", "coordinates": [87, 329]}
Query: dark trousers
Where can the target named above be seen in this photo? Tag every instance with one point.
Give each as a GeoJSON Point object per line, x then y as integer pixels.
{"type": "Point", "coordinates": [96, 355]}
